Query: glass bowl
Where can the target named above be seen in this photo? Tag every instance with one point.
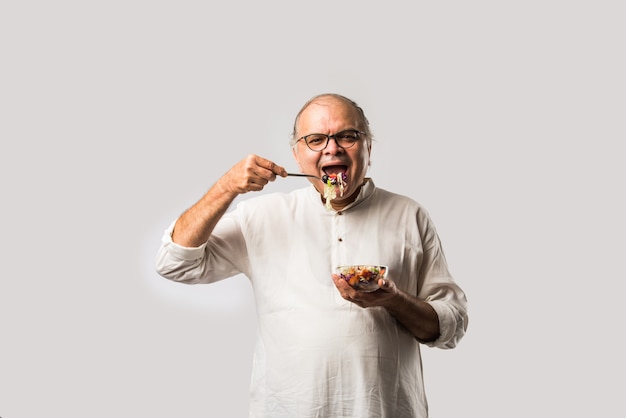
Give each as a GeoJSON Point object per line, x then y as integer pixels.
{"type": "Point", "coordinates": [363, 277]}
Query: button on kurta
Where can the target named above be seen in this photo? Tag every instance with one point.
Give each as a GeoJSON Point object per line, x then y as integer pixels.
{"type": "Point", "coordinates": [337, 234]}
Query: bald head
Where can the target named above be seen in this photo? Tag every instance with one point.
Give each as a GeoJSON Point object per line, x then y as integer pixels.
{"type": "Point", "coordinates": [322, 99]}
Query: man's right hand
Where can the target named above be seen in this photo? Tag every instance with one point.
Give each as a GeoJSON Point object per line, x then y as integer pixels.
{"type": "Point", "coordinates": [250, 175]}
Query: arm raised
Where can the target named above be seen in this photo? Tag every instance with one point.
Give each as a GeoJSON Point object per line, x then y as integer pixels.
{"type": "Point", "coordinates": [195, 225]}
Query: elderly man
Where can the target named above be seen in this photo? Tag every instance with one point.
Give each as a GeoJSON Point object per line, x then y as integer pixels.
{"type": "Point", "coordinates": [325, 349]}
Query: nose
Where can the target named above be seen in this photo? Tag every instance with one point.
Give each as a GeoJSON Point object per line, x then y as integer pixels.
{"type": "Point", "coordinates": [333, 147]}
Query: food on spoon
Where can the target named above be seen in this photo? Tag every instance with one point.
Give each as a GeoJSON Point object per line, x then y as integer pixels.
{"type": "Point", "coordinates": [334, 178]}
{"type": "Point", "coordinates": [362, 277]}
{"type": "Point", "coordinates": [332, 182]}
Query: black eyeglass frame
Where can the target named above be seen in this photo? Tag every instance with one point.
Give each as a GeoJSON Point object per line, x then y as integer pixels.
{"type": "Point", "coordinates": [333, 136]}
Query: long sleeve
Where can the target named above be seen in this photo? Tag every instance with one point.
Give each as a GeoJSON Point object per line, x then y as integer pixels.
{"type": "Point", "coordinates": [222, 256]}
{"type": "Point", "coordinates": [437, 287]}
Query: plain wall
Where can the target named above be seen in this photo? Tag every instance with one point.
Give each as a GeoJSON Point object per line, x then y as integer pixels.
{"type": "Point", "coordinates": [504, 119]}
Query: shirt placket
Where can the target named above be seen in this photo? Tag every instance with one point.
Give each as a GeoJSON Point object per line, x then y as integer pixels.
{"type": "Point", "coordinates": [338, 245]}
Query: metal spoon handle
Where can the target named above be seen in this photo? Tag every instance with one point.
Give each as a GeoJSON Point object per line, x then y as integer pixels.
{"type": "Point", "coordinates": [303, 175]}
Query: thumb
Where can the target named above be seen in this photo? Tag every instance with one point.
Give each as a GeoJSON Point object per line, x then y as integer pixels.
{"type": "Point", "coordinates": [384, 284]}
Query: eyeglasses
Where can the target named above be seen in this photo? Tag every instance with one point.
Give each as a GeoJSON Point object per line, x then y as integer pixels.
{"type": "Point", "coordinates": [344, 139]}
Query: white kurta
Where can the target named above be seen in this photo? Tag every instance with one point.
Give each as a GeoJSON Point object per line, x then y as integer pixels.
{"type": "Point", "coordinates": [318, 355]}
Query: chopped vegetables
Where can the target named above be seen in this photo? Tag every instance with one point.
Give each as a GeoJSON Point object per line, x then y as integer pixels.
{"type": "Point", "coordinates": [333, 179]}
{"type": "Point", "coordinates": [331, 183]}
{"type": "Point", "coordinates": [362, 277]}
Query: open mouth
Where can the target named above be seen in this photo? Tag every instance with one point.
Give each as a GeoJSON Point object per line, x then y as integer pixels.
{"type": "Point", "coordinates": [335, 174]}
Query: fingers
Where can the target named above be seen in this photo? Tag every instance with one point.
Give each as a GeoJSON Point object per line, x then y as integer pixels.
{"type": "Point", "coordinates": [261, 170]}
{"type": "Point", "coordinates": [366, 299]}
{"type": "Point", "coordinates": [253, 173]}
{"type": "Point", "coordinates": [269, 169]}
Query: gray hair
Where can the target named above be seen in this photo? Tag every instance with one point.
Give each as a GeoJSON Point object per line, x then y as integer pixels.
{"type": "Point", "coordinates": [365, 125]}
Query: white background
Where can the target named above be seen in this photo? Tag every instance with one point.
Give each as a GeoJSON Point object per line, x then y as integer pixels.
{"type": "Point", "coordinates": [504, 119]}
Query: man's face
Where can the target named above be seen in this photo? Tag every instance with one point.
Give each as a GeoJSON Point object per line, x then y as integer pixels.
{"type": "Point", "coordinates": [329, 115]}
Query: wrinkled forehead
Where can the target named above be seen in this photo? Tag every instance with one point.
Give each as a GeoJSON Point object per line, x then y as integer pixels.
{"type": "Point", "coordinates": [329, 109]}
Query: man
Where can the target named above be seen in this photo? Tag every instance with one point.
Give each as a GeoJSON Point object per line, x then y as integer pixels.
{"type": "Point", "coordinates": [325, 349]}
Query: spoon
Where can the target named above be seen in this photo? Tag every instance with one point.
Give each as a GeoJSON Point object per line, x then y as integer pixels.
{"type": "Point", "coordinates": [307, 175]}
